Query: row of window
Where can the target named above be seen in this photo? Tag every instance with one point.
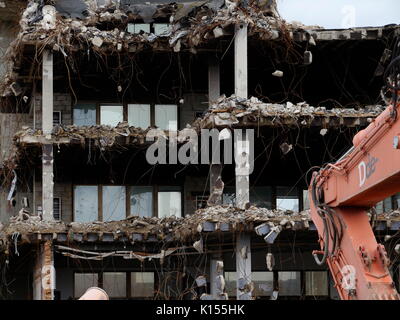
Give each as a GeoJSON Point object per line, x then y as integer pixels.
{"type": "Point", "coordinates": [111, 203]}
{"type": "Point", "coordinates": [142, 284]}
{"type": "Point", "coordinates": [116, 284]}
{"type": "Point", "coordinates": [163, 116]}
{"type": "Point", "coordinates": [288, 283]}
{"type": "Point", "coordinates": [108, 203]}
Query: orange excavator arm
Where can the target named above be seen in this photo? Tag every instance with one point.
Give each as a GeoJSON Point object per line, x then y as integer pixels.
{"type": "Point", "coordinates": [341, 195]}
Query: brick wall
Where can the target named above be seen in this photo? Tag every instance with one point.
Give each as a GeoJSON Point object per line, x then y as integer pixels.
{"type": "Point", "coordinates": [62, 102]}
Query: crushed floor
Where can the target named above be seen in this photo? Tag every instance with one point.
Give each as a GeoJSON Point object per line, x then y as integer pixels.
{"type": "Point", "coordinates": [212, 219]}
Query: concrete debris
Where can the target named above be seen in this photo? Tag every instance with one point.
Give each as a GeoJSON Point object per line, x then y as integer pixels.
{"type": "Point", "coordinates": [278, 73]}
{"type": "Point", "coordinates": [270, 260]}
{"type": "Point", "coordinates": [103, 136]}
{"type": "Point", "coordinates": [97, 41]}
{"type": "Point", "coordinates": [216, 195]}
{"type": "Point", "coordinates": [233, 111]}
{"type": "Point", "coordinates": [274, 295]}
{"type": "Point", "coordinates": [201, 281]}
{"type": "Point", "coordinates": [323, 132]}
{"type": "Point", "coordinates": [185, 229]}
{"type": "Point", "coordinates": [198, 245]}
{"type": "Point", "coordinates": [262, 229]}
{"type": "Point", "coordinates": [220, 266]}
{"type": "Point", "coordinates": [272, 235]}
{"type": "Point", "coordinates": [286, 148]}
{"type": "Point", "coordinates": [220, 282]}
{"type": "Point", "coordinates": [308, 58]}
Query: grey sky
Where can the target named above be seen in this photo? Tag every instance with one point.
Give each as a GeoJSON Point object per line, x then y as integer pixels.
{"type": "Point", "coordinates": [339, 13]}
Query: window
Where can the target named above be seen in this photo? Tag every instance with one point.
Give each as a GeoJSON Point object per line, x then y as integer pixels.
{"type": "Point", "coordinates": [86, 203]}
{"type": "Point", "coordinates": [169, 202]}
{"type": "Point", "coordinates": [138, 27]}
{"type": "Point", "coordinates": [287, 199]}
{"type": "Point", "coordinates": [289, 283]}
{"type": "Point", "coordinates": [396, 201]}
{"type": "Point", "coordinates": [56, 118]}
{"type": "Point", "coordinates": [261, 197]}
{"type": "Point", "coordinates": [57, 208]}
{"type": "Point", "coordinates": [111, 115]}
{"type": "Point", "coordinates": [230, 283]}
{"type": "Point", "coordinates": [161, 28]}
{"type": "Point", "coordinates": [142, 284]}
{"type": "Point", "coordinates": [141, 199]}
{"type": "Point", "coordinates": [263, 283]}
{"type": "Point", "coordinates": [114, 283]}
{"type": "Point", "coordinates": [384, 206]}
{"type": "Point", "coordinates": [316, 283]}
{"type": "Point", "coordinates": [83, 281]}
{"type": "Point", "coordinates": [84, 114]}
{"type": "Point", "coordinates": [114, 203]}
{"type": "Point", "coordinates": [139, 115]}
{"type": "Point", "coordinates": [166, 117]}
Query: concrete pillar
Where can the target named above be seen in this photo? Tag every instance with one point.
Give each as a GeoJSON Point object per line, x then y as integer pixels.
{"type": "Point", "coordinates": [47, 149]}
{"type": "Point", "coordinates": [214, 92]}
{"type": "Point", "coordinates": [241, 89]}
{"type": "Point", "coordinates": [47, 92]}
{"type": "Point", "coordinates": [243, 168]}
{"type": "Point", "coordinates": [243, 267]}
{"type": "Point", "coordinates": [44, 273]}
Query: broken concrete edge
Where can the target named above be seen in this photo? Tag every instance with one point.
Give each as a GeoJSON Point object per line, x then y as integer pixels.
{"type": "Point", "coordinates": [263, 222]}
{"type": "Point", "coordinates": [191, 26]}
{"type": "Point", "coordinates": [231, 112]}
{"type": "Point", "coordinates": [238, 112]}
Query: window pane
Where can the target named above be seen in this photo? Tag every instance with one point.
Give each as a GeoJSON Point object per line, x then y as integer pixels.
{"type": "Point", "coordinates": [230, 283]}
{"type": "Point", "coordinates": [83, 281]}
{"type": "Point", "coordinates": [142, 284]}
{"type": "Point", "coordinates": [141, 201]}
{"type": "Point", "coordinates": [169, 203]}
{"type": "Point", "coordinates": [317, 283]}
{"type": "Point", "coordinates": [289, 283]}
{"type": "Point", "coordinates": [114, 283]}
{"type": "Point", "coordinates": [139, 115]}
{"type": "Point", "coordinates": [263, 283]}
{"type": "Point", "coordinates": [114, 203]}
{"type": "Point", "coordinates": [84, 114]}
{"type": "Point", "coordinates": [287, 199]}
{"type": "Point", "coordinates": [111, 115]}
{"type": "Point", "coordinates": [86, 204]}
{"type": "Point", "coordinates": [229, 196]}
{"type": "Point", "coordinates": [261, 197]}
{"type": "Point", "coordinates": [166, 116]}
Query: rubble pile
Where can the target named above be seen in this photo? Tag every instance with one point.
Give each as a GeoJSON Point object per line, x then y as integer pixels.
{"type": "Point", "coordinates": [230, 110]}
{"type": "Point", "coordinates": [103, 135]}
{"type": "Point", "coordinates": [223, 218]}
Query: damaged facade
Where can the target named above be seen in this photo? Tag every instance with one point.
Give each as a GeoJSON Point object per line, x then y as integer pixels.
{"type": "Point", "coordinates": [86, 81]}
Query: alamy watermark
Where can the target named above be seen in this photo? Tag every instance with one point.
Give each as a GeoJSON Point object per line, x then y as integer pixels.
{"type": "Point", "coordinates": [190, 147]}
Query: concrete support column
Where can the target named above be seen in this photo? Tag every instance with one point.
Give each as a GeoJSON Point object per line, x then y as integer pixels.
{"type": "Point", "coordinates": [47, 149]}
{"type": "Point", "coordinates": [214, 92]}
{"type": "Point", "coordinates": [243, 267]}
{"type": "Point", "coordinates": [241, 89]}
{"type": "Point", "coordinates": [217, 280]}
{"type": "Point", "coordinates": [44, 273]}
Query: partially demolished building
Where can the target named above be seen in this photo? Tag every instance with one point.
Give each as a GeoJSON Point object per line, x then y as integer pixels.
{"type": "Point", "coordinates": [84, 85]}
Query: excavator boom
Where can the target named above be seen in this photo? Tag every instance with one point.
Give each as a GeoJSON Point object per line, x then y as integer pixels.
{"type": "Point", "coordinates": [341, 195]}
